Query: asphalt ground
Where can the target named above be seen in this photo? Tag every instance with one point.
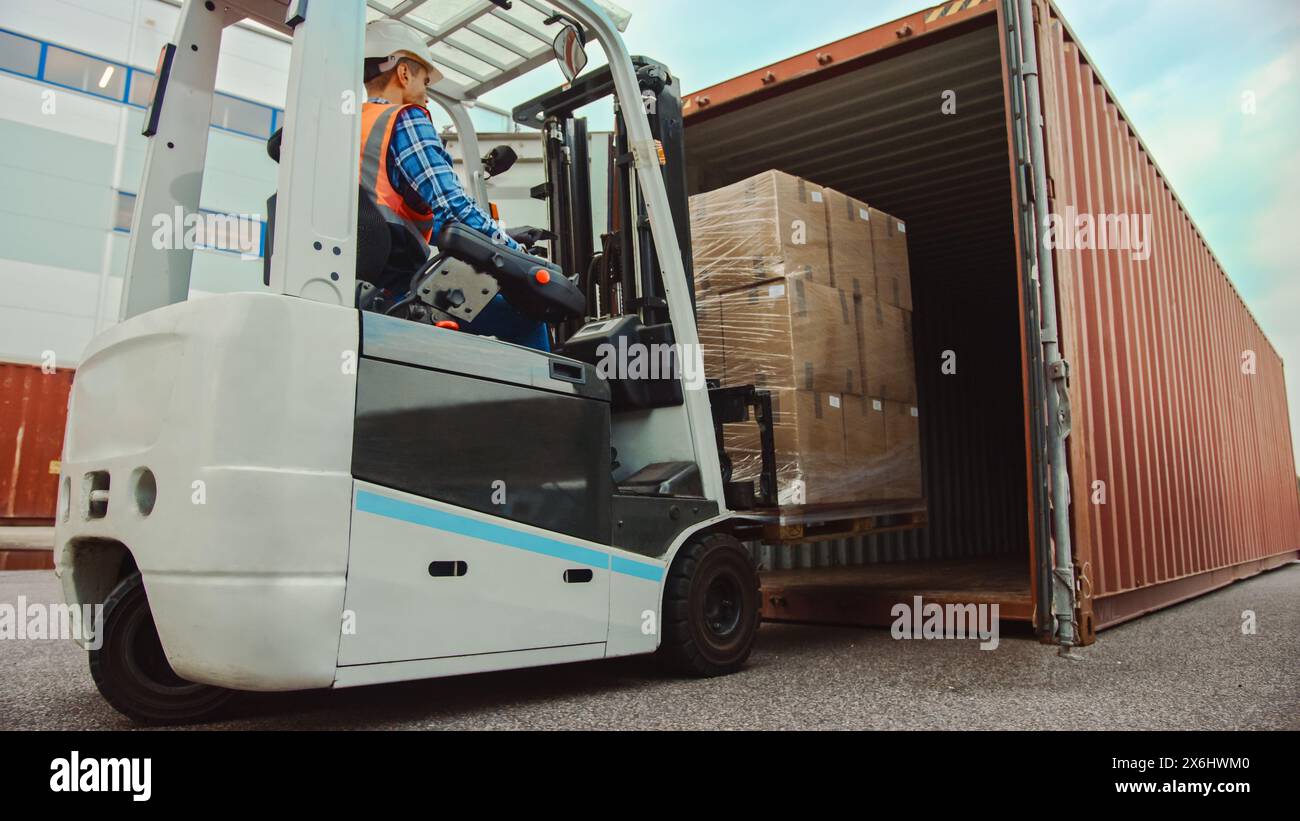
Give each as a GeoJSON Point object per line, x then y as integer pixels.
{"type": "Point", "coordinates": [1185, 667]}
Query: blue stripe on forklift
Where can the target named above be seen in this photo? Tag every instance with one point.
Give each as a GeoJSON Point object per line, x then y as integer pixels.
{"type": "Point", "coordinates": [627, 567]}
{"type": "Point", "coordinates": [391, 508]}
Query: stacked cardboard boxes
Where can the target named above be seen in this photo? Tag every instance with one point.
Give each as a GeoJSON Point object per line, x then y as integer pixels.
{"type": "Point", "coordinates": [797, 296]}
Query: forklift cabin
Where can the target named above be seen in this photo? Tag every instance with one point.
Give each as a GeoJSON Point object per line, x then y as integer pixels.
{"type": "Point", "coordinates": [326, 486]}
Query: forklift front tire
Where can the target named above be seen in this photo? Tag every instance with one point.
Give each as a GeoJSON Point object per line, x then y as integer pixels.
{"type": "Point", "coordinates": [132, 672]}
{"type": "Point", "coordinates": [711, 607]}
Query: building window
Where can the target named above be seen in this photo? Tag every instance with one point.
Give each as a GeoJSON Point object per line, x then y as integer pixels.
{"type": "Point", "coordinates": [212, 230]}
{"type": "Point", "coordinates": [19, 55]}
{"type": "Point", "coordinates": [238, 234]}
{"type": "Point", "coordinates": [114, 81]}
{"type": "Point", "coordinates": [85, 73]}
{"type": "Point", "coordinates": [124, 211]}
{"type": "Point", "coordinates": [141, 87]}
{"type": "Point", "coordinates": [234, 114]}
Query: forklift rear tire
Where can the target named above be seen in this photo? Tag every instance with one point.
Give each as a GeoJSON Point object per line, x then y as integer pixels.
{"type": "Point", "coordinates": [131, 670]}
{"type": "Point", "coordinates": [711, 607]}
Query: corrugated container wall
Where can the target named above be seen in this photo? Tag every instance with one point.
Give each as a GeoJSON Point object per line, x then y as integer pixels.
{"type": "Point", "coordinates": [33, 410]}
{"type": "Point", "coordinates": [1180, 453]}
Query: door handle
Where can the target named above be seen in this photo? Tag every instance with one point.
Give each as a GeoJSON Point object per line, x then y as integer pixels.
{"type": "Point", "coordinates": [448, 569]}
{"type": "Point", "coordinates": [577, 576]}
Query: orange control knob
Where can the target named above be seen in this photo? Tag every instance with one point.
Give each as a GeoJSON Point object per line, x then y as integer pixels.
{"type": "Point", "coordinates": [542, 276]}
{"type": "Point", "coordinates": [449, 325]}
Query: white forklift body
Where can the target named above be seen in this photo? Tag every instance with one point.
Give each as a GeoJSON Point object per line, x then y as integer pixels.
{"type": "Point", "coordinates": [266, 464]}
{"type": "Point", "coordinates": [259, 547]}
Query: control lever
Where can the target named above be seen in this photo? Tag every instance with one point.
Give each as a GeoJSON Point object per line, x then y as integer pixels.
{"type": "Point", "coordinates": [498, 161]}
{"type": "Point", "coordinates": [528, 236]}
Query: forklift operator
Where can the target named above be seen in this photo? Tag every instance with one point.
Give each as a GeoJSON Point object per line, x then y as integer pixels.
{"type": "Point", "coordinates": [408, 173]}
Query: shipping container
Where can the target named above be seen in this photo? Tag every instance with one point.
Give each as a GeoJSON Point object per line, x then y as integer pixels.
{"type": "Point", "coordinates": [33, 412]}
{"type": "Point", "coordinates": [1178, 464]}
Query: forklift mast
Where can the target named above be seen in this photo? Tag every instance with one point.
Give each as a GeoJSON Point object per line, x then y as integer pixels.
{"type": "Point", "coordinates": [625, 276]}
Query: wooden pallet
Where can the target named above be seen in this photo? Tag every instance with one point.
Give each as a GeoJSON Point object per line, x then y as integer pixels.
{"type": "Point", "coordinates": [814, 523]}
{"type": "Point", "coordinates": [843, 528]}
{"type": "Point", "coordinates": [796, 525]}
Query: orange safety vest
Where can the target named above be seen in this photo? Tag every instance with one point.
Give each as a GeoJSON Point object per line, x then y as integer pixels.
{"type": "Point", "coordinates": [377, 120]}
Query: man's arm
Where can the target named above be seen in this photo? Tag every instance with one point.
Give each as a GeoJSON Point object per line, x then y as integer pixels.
{"type": "Point", "coordinates": [424, 172]}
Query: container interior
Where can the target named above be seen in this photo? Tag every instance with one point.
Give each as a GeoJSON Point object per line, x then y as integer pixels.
{"type": "Point", "coordinates": [880, 132]}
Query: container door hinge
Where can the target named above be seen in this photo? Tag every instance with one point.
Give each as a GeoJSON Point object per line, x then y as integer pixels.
{"type": "Point", "coordinates": [1064, 604]}
{"type": "Point", "coordinates": [1082, 583]}
{"type": "Point", "coordinates": [1059, 371]}
{"type": "Point", "coordinates": [1059, 374]}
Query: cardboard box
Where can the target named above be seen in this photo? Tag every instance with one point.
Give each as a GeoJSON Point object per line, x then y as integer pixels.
{"type": "Point", "coordinates": [866, 474]}
{"type": "Point", "coordinates": [790, 333]}
{"type": "Point", "coordinates": [808, 433]}
{"type": "Point", "coordinates": [708, 323]}
{"type": "Point", "coordinates": [805, 292]}
{"type": "Point", "coordinates": [903, 446]}
{"type": "Point", "coordinates": [848, 230]}
{"type": "Point", "coordinates": [889, 245]}
{"type": "Point", "coordinates": [770, 225]}
{"type": "Point", "coordinates": [885, 343]}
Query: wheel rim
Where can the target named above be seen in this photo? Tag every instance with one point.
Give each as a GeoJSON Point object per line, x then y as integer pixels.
{"type": "Point", "coordinates": [722, 609]}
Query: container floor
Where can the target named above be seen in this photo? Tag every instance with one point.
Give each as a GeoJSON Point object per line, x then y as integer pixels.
{"type": "Point", "coordinates": [864, 596]}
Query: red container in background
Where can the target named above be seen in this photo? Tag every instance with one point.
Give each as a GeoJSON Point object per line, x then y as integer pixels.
{"type": "Point", "coordinates": [33, 413]}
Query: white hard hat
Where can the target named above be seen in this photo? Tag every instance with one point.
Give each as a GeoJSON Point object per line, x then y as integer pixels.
{"type": "Point", "coordinates": [389, 39]}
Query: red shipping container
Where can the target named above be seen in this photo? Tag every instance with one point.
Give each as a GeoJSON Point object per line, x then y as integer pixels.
{"type": "Point", "coordinates": [1180, 460]}
{"type": "Point", "coordinates": [33, 413]}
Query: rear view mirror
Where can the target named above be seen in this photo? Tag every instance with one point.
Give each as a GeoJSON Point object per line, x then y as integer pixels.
{"type": "Point", "coordinates": [570, 51]}
{"type": "Point", "coordinates": [499, 160]}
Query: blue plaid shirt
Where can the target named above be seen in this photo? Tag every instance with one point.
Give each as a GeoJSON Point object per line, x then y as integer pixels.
{"type": "Point", "coordinates": [420, 169]}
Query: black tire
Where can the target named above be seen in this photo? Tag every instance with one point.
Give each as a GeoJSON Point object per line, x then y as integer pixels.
{"type": "Point", "coordinates": [132, 673]}
{"type": "Point", "coordinates": [711, 607]}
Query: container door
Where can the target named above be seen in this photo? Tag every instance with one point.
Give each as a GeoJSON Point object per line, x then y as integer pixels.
{"type": "Point", "coordinates": [1047, 371]}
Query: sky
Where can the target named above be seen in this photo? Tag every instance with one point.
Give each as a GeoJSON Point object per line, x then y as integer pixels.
{"type": "Point", "coordinates": [1179, 68]}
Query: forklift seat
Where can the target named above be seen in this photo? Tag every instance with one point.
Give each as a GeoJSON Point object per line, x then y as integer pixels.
{"type": "Point", "coordinates": [388, 255]}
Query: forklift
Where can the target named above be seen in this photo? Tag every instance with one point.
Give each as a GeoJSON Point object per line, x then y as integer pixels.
{"type": "Point", "coordinates": [331, 483]}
